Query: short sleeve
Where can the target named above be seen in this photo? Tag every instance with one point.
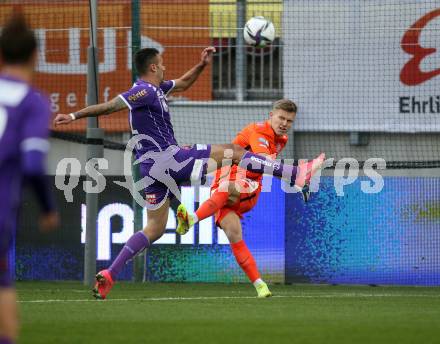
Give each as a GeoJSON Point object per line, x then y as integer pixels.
{"type": "Point", "coordinates": [259, 143]}
{"type": "Point", "coordinates": [167, 86]}
{"type": "Point", "coordinates": [137, 96]}
{"type": "Point", "coordinates": [35, 124]}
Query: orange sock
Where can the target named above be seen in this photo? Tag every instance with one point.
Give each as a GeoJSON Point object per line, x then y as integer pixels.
{"type": "Point", "coordinates": [210, 206]}
{"type": "Point", "coordinates": [245, 260]}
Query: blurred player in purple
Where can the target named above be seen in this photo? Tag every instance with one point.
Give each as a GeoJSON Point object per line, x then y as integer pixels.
{"type": "Point", "coordinates": [163, 163]}
{"type": "Point", "coordinates": [24, 119]}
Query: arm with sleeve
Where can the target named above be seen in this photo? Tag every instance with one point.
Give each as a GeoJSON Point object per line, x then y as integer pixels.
{"type": "Point", "coordinates": [34, 146]}
{"type": "Point", "coordinates": [167, 86]}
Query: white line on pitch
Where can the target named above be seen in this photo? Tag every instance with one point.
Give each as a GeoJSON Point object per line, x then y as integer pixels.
{"type": "Point", "coordinates": [348, 295]}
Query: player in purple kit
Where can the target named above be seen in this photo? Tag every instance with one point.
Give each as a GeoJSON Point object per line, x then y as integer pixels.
{"type": "Point", "coordinates": [24, 119]}
{"type": "Point", "coordinates": [164, 165]}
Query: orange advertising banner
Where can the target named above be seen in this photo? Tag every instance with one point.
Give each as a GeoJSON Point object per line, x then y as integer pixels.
{"type": "Point", "coordinates": [62, 28]}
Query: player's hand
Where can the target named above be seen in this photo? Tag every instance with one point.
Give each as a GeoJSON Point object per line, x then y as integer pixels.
{"type": "Point", "coordinates": [49, 222]}
{"type": "Point", "coordinates": [206, 57]}
{"type": "Point", "coordinates": [62, 118]}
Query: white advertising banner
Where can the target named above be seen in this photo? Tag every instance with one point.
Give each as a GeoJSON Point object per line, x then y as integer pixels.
{"type": "Point", "coordinates": [363, 65]}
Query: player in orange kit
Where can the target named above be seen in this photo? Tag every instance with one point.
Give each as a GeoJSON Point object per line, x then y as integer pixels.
{"type": "Point", "coordinates": [235, 191]}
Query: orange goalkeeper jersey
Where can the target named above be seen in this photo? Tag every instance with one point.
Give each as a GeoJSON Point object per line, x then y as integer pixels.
{"type": "Point", "coordinates": [258, 138]}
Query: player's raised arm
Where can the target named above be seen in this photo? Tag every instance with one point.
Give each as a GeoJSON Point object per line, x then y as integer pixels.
{"type": "Point", "coordinates": [107, 108]}
{"type": "Point", "coordinates": [187, 79]}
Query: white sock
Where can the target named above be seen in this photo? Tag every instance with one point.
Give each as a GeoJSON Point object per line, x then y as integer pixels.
{"type": "Point", "coordinates": [258, 282]}
{"type": "Point", "coordinates": [195, 218]}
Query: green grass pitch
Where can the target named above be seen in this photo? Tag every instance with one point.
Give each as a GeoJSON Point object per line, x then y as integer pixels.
{"type": "Point", "coordinates": [64, 312]}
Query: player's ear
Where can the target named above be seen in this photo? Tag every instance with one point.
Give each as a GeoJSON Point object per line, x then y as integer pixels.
{"type": "Point", "coordinates": [153, 67]}
{"type": "Point", "coordinates": [270, 114]}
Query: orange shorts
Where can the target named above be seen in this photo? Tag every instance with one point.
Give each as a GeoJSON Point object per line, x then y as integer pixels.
{"type": "Point", "coordinates": [249, 193]}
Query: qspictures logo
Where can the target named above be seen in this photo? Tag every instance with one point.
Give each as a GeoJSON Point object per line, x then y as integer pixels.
{"type": "Point", "coordinates": [412, 73]}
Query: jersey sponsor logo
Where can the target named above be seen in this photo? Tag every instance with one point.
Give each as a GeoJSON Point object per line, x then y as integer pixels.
{"type": "Point", "coordinates": [263, 141]}
{"type": "Point", "coordinates": [201, 147]}
{"type": "Point", "coordinates": [275, 164]}
{"type": "Point", "coordinates": [137, 95]}
{"type": "Point", "coordinates": [151, 198]}
{"type": "Point", "coordinates": [411, 73]}
{"type": "Point", "coordinates": [263, 162]}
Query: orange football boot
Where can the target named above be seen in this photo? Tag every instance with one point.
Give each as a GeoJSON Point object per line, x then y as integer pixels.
{"type": "Point", "coordinates": [104, 283]}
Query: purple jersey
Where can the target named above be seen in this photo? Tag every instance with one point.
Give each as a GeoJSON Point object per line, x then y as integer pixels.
{"type": "Point", "coordinates": [149, 114]}
{"type": "Point", "coordinates": [24, 116]}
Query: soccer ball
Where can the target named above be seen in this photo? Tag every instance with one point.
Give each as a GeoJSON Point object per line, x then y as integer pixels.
{"type": "Point", "coordinates": [259, 32]}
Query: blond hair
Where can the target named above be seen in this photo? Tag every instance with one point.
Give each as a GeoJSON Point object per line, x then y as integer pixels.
{"type": "Point", "coordinates": [285, 104]}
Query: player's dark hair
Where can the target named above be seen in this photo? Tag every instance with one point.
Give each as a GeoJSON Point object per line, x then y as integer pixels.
{"type": "Point", "coordinates": [17, 41]}
{"type": "Point", "coordinates": [286, 105]}
{"type": "Point", "coordinates": [143, 58]}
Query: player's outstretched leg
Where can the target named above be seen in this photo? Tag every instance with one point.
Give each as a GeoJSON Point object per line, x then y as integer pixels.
{"type": "Point", "coordinates": [265, 165]}
{"type": "Point", "coordinates": [296, 175]}
{"type": "Point", "coordinates": [299, 176]}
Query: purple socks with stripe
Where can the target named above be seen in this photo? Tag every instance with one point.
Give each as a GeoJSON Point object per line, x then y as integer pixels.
{"type": "Point", "coordinates": [136, 244]}
{"type": "Point", "coordinates": [265, 165]}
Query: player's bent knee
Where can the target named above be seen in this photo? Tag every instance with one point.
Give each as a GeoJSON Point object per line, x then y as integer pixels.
{"type": "Point", "coordinates": [154, 232]}
{"type": "Point", "coordinates": [155, 229]}
{"type": "Point", "coordinates": [232, 227]}
{"type": "Point", "coordinates": [233, 234]}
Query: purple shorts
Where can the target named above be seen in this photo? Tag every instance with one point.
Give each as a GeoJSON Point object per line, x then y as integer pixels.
{"type": "Point", "coordinates": [164, 171]}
